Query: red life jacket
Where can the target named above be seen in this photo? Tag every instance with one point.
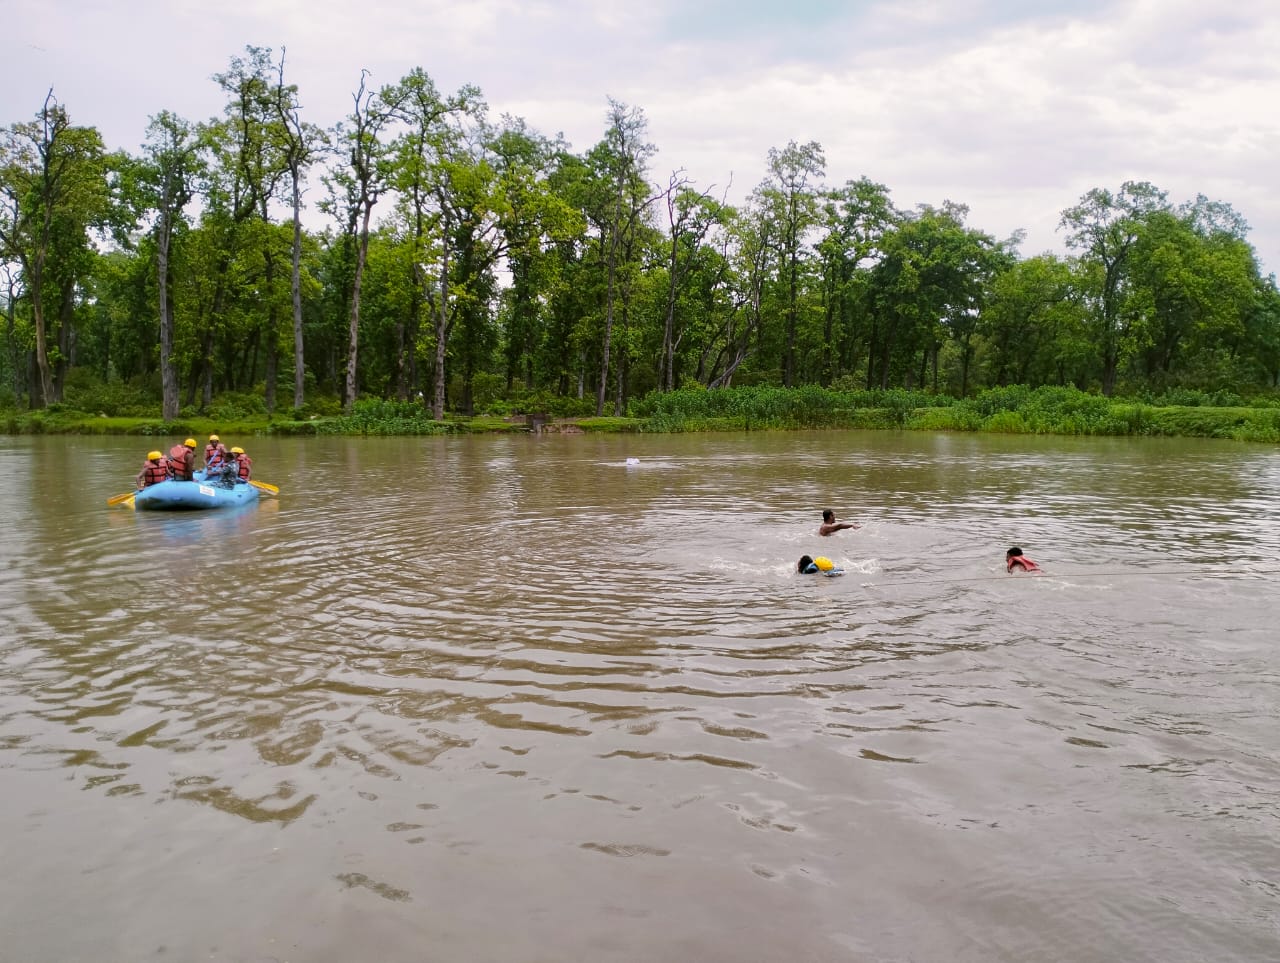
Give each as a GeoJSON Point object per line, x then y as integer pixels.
{"type": "Point", "coordinates": [209, 449]}
{"type": "Point", "coordinates": [154, 472]}
{"type": "Point", "coordinates": [245, 462]}
{"type": "Point", "coordinates": [218, 457]}
{"type": "Point", "coordinates": [1023, 562]}
{"type": "Point", "coordinates": [181, 462]}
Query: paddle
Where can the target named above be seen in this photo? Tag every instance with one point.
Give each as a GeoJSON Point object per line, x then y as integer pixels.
{"type": "Point", "coordinates": [117, 499]}
{"type": "Point", "coordinates": [263, 486]}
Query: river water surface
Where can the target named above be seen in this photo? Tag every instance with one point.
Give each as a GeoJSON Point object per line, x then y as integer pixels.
{"type": "Point", "coordinates": [565, 698]}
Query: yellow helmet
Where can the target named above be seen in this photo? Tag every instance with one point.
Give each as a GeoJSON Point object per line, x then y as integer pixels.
{"type": "Point", "coordinates": [153, 455]}
{"type": "Point", "coordinates": [237, 450]}
{"type": "Point", "coordinates": [214, 438]}
{"type": "Point", "coordinates": [190, 442]}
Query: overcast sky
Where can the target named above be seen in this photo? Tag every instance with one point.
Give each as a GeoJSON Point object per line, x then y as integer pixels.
{"type": "Point", "coordinates": [1014, 107]}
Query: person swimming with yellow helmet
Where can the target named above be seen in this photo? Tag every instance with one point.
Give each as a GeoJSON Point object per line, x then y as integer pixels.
{"type": "Point", "coordinates": [818, 566]}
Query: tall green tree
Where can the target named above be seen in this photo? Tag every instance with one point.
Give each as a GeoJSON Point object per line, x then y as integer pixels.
{"type": "Point", "coordinates": [533, 218]}
{"type": "Point", "coordinates": [171, 168]}
{"type": "Point", "coordinates": [690, 216]}
{"type": "Point", "coordinates": [300, 143]}
{"type": "Point", "coordinates": [791, 194]}
{"type": "Point", "coordinates": [1104, 227]}
{"type": "Point", "coordinates": [1028, 321]}
{"type": "Point", "coordinates": [748, 261]}
{"type": "Point", "coordinates": [362, 180]}
{"type": "Point", "coordinates": [621, 161]}
{"type": "Point", "coordinates": [1193, 278]}
{"type": "Point", "coordinates": [53, 191]}
{"type": "Point", "coordinates": [246, 169]}
{"type": "Point", "coordinates": [437, 141]}
{"type": "Point", "coordinates": [855, 219]}
{"type": "Point", "coordinates": [929, 285]}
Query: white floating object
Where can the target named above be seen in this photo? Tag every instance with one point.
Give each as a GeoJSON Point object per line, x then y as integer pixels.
{"type": "Point", "coordinates": [633, 461]}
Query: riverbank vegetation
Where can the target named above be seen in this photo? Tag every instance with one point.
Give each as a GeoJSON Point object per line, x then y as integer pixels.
{"type": "Point", "coordinates": [454, 271]}
{"type": "Point", "coordinates": [1016, 409]}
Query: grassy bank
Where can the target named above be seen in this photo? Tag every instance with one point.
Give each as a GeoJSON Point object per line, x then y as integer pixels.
{"type": "Point", "coordinates": [1013, 410]}
{"type": "Point", "coordinates": [386, 418]}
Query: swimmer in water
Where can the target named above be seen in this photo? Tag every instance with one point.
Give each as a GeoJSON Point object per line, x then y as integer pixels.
{"type": "Point", "coordinates": [830, 526]}
{"type": "Point", "coordinates": [1014, 559]}
{"type": "Point", "coordinates": [815, 566]}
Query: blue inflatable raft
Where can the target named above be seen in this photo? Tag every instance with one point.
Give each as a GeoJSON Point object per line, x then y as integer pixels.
{"type": "Point", "coordinates": [180, 496]}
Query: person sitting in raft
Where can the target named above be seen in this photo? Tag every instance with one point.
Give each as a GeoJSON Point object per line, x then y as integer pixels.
{"type": "Point", "coordinates": [182, 460]}
{"type": "Point", "coordinates": [1014, 559]}
{"type": "Point", "coordinates": [215, 459]}
{"type": "Point", "coordinates": [830, 526]}
{"type": "Point", "coordinates": [243, 463]}
{"type": "Point", "coordinates": [210, 448]}
{"type": "Point", "coordinates": [222, 468]}
{"type": "Point", "coordinates": [814, 566]}
{"type": "Point", "coordinates": [154, 470]}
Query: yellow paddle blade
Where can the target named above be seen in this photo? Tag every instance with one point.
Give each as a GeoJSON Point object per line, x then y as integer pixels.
{"type": "Point", "coordinates": [117, 499]}
{"type": "Point", "coordinates": [263, 486]}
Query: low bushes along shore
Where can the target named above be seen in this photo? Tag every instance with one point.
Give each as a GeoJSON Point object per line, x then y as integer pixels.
{"type": "Point", "coordinates": [1011, 410]}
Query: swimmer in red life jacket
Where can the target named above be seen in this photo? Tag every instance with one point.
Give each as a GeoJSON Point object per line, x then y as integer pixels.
{"type": "Point", "coordinates": [1014, 559]}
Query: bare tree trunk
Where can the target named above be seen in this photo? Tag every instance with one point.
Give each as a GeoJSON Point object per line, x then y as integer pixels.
{"type": "Point", "coordinates": [442, 330]}
{"type": "Point", "coordinates": [206, 390]}
{"type": "Point", "coordinates": [271, 334]}
{"type": "Point", "coordinates": [353, 334]}
{"type": "Point", "coordinates": [168, 373]}
{"type": "Point", "coordinates": [299, 359]}
{"type": "Point", "coordinates": [272, 370]}
{"type": "Point", "coordinates": [66, 337]}
{"type": "Point", "coordinates": [10, 323]}
{"type": "Point", "coordinates": [207, 337]}
{"type": "Point", "coordinates": [43, 371]}
{"type": "Point", "coordinates": [603, 387]}
{"type": "Point", "coordinates": [667, 360]}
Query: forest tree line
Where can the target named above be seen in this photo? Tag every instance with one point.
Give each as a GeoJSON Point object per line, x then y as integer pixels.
{"type": "Point", "coordinates": [467, 260]}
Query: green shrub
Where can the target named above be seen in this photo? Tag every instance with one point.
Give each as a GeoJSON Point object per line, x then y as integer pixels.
{"type": "Point", "coordinates": [83, 391]}
{"type": "Point", "coordinates": [945, 419]}
{"type": "Point", "coordinates": [609, 425]}
{"type": "Point", "coordinates": [565, 407]}
{"type": "Point", "coordinates": [319, 405]}
{"type": "Point", "coordinates": [992, 400]}
{"type": "Point", "coordinates": [878, 419]}
{"type": "Point", "coordinates": [294, 428]}
{"type": "Point", "coordinates": [486, 389]}
{"type": "Point", "coordinates": [1137, 418]}
{"type": "Point", "coordinates": [1006, 422]}
{"type": "Point", "coordinates": [1180, 398]}
{"type": "Point", "coordinates": [374, 416]}
{"type": "Point", "coordinates": [1210, 422]}
{"type": "Point", "coordinates": [231, 405]}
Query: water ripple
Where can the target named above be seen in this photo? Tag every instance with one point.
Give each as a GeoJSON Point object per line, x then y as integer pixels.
{"type": "Point", "coordinates": [535, 656]}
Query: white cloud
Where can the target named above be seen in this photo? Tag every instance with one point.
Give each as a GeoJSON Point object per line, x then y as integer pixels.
{"type": "Point", "coordinates": [1014, 109]}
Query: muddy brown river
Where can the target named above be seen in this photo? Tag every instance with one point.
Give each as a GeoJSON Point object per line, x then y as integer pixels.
{"type": "Point", "coordinates": [565, 698]}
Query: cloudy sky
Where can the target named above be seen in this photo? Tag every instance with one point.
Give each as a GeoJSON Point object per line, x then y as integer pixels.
{"type": "Point", "coordinates": [1014, 107]}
